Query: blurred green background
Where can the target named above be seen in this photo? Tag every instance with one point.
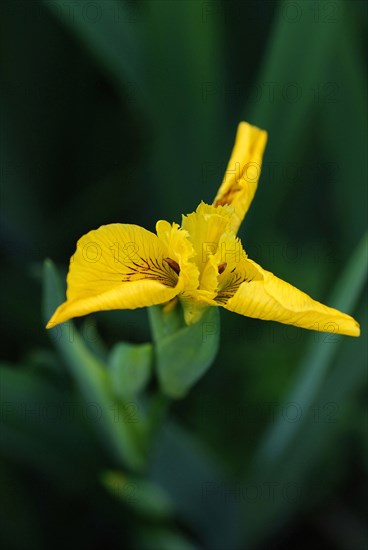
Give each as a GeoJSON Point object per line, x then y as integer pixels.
{"type": "Point", "coordinates": [116, 111]}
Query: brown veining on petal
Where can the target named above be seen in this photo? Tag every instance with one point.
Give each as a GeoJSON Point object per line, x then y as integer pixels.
{"type": "Point", "coordinates": [230, 286]}
{"type": "Point", "coordinates": [228, 197]}
{"type": "Point", "coordinates": [151, 269]}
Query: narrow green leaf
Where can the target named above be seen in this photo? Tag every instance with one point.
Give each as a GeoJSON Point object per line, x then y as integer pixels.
{"type": "Point", "coordinates": [144, 496]}
{"type": "Point", "coordinates": [185, 355]}
{"type": "Point", "coordinates": [165, 539]}
{"type": "Point", "coordinates": [350, 80]}
{"type": "Point", "coordinates": [92, 339]}
{"type": "Point", "coordinates": [118, 423]}
{"type": "Point", "coordinates": [316, 450]}
{"type": "Point", "coordinates": [203, 496]}
{"type": "Point", "coordinates": [191, 73]}
{"type": "Point", "coordinates": [130, 368]}
{"type": "Point", "coordinates": [286, 92]}
{"type": "Point", "coordinates": [109, 30]}
{"type": "Point", "coordinates": [43, 428]}
{"type": "Point", "coordinates": [315, 365]}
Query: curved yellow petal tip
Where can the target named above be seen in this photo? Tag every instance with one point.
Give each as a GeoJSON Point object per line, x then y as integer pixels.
{"type": "Point", "coordinates": [265, 296]}
{"type": "Point", "coordinates": [339, 323]}
{"type": "Point", "coordinates": [353, 329]}
{"type": "Point", "coordinates": [60, 316]}
{"type": "Point", "coordinates": [243, 171]}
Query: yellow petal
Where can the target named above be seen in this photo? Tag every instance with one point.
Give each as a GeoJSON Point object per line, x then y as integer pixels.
{"type": "Point", "coordinates": [176, 245]}
{"type": "Point", "coordinates": [264, 296]}
{"type": "Point", "coordinates": [242, 173]}
{"type": "Point", "coordinates": [230, 254]}
{"type": "Point", "coordinates": [207, 223]}
{"type": "Point", "coordinates": [192, 246]}
{"type": "Point", "coordinates": [205, 227]}
{"type": "Point", "coordinates": [219, 271]}
{"type": "Point", "coordinates": [117, 266]}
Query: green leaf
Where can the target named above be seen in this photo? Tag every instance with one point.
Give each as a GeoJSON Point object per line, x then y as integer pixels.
{"type": "Point", "coordinates": [317, 448]}
{"type": "Point", "coordinates": [130, 368]}
{"type": "Point", "coordinates": [202, 494]}
{"type": "Point", "coordinates": [105, 28]}
{"type": "Point", "coordinates": [318, 402]}
{"type": "Point", "coordinates": [163, 323]}
{"type": "Point", "coordinates": [144, 496]}
{"type": "Point", "coordinates": [318, 356]}
{"type": "Point", "coordinates": [165, 539]}
{"type": "Point", "coordinates": [350, 80]}
{"type": "Point", "coordinates": [189, 72]}
{"type": "Point", "coordinates": [43, 428]}
{"type": "Point", "coordinates": [185, 355]}
{"type": "Point", "coordinates": [286, 90]}
{"type": "Point", "coordinates": [118, 423]}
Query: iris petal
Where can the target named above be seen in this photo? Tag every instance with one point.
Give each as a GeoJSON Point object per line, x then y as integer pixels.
{"type": "Point", "coordinates": [117, 266]}
{"type": "Point", "coordinates": [262, 295]}
{"type": "Point", "coordinates": [243, 171]}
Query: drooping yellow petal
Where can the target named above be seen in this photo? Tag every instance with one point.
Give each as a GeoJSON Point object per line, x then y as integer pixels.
{"type": "Point", "coordinates": [243, 171]}
{"type": "Point", "coordinates": [117, 266]}
{"type": "Point", "coordinates": [264, 296]}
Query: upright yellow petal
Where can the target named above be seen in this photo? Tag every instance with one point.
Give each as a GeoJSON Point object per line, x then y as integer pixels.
{"type": "Point", "coordinates": [243, 171]}
{"type": "Point", "coordinates": [117, 266]}
{"type": "Point", "coordinates": [177, 246]}
{"type": "Point", "coordinates": [205, 227]}
{"type": "Point", "coordinates": [191, 246]}
{"type": "Point", "coordinates": [258, 293]}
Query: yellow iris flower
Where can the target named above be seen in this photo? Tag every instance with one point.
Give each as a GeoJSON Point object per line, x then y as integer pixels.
{"type": "Point", "coordinates": [201, 262]}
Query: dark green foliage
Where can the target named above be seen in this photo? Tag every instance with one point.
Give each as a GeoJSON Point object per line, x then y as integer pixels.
{"type": "Point", "coordinates": [117, 111]}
